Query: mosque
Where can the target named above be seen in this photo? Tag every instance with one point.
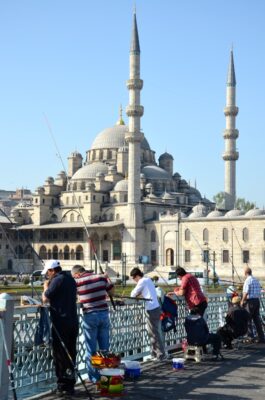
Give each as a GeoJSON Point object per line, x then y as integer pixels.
{"type": "Point", "coordinates": [120, 207]}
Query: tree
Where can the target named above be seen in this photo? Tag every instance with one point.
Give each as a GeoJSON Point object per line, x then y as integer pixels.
{"type": "Point", "coordinates": [241, 203]}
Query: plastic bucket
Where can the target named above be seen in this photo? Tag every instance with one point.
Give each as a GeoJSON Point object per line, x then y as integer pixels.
{"type": "Point", "coordinates": [132, 369]}
{"type": "Point", "coordinates": [111, 381]}
{"type": "Point", "coordinates": [178, 363]}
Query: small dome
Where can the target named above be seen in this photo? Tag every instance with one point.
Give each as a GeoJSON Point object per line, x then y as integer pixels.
{"type": "Point", "coordinates": [89, 171]}
{"type": "Point", "coordinates": [49, 180]}
{"type": "Point", "coordinates": [154, 172]}
{"type": "Point", "coordinates": [165, 156]}
{"type": "Point", "coordinates": [76, 154]}
{"type": "Point", "coordinates": [121, 186]}
{"type": "Point", "coordinates": [234, 213]}
{"type": "Point", "coordinates": [168, 196]}
{"type": "Point", "coordinates": [198, 211]}
{"type": "Point", "coordinates": [215, 214]}
{"type": "Point", "coordinates": [254, 212]}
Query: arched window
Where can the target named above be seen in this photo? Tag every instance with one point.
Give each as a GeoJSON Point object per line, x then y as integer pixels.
{"type": "Point", "coordinates": [72, 254]}
{"type": "Point", "coordinates": [72, 217]}
{"type": "Point", "coordinates": [101, 154]}
{"type": "Point", "coordinates": [205, 235]}
{"type": "Point", "coordinates": [79, 253]}
{"type": "Point", "coordinates": [66, 253]}
{"type": "Point", "coordinates": [55, 252]}
{"type": "Point", "coordinates": [43, 253]}
{"type": "Point", "coordinates": [125, 198]}
{"type": "Point", "coordinates": [225, 235]}
{"type": "Point", "coordinates": [19, 252]}
{"type": "Point", "coordinates": [245, 234]}
{"type": "Point", "coordinates": [187, 234]}
{"type": "Point", "coordinates": [60, 255]}
{"type": "Point", "coordinates": [28, 253]}
{"type": "Point", "coordinates": [49, 254]}
{"type": "Point", "coordinates": [153, 236]}
{"type": "Point", "coordinates": [79, 218]}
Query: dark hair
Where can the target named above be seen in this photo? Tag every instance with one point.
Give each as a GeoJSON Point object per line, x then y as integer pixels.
{"type": "Point", "coordinates": [136, 272]}
{"type": "Point", "coordinates": [180, 271]}
{"type": "Point", "coordinates": [57, 269]}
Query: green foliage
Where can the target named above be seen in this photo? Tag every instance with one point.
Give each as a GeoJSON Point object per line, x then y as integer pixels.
{"type": "Point", "coordinates": [25, 281]}
{"type": "Point", "coordinates": [241, 203]}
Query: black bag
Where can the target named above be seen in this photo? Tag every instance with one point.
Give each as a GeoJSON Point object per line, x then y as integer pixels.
{"type": "Point", "coordinates": [169, 314]}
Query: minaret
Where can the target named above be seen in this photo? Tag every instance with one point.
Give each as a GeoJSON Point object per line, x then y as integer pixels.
{"type": "Point", "coordinates": [133, 239]}
{"type": "Point", "coordinates": [230, 154]}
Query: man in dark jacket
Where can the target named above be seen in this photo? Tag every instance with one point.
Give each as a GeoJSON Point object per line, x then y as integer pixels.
{"type": "Point", "coordinates": [60, 292]}
{"type": "Point", "coordinates": [198, 333]}
{"type": "Point", "coordinates": [237, 319]}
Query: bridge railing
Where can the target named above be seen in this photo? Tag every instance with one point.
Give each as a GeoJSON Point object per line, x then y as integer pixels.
{"type": "Point", "coordinates": [32, 365]}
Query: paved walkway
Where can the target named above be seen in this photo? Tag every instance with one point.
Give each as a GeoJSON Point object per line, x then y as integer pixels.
{"type": "Point", "coordinates": [239, 377]}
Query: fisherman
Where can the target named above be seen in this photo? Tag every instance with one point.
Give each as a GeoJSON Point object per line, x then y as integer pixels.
{"type": "Point", "coordinates": [60, 291]}
{"type": "Point", "coordinates": [191, 290]}
{"type": "Point", "coordinates": [92, 290]}
{"type": "Point", "coordinates": [251, 301]}
{"type": "Point", "coordinates": [145, 288]}
{"type": "Point", "coordinates": [198, 333]}
{"type": "Point", "coordinates": [236, 325]}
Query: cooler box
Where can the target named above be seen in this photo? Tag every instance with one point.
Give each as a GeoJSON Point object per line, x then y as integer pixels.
{"type": "Point", "coordinates": [132, 369]}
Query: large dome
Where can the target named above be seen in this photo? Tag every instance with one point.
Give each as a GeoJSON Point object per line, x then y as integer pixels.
{"type": "Point", "coordinates": [154, 172]}
{"type": "Point", "coordinates": [114, 138]}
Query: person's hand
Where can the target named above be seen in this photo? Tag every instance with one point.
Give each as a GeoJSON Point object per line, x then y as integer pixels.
{"type": "Point", "coordinates": [45, 285]}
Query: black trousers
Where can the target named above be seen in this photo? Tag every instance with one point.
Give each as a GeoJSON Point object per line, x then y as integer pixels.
{"type": "Point", "coordinates": [253, 306]}
{"type": "Point", "coordinates": [64, 369]}
{"type": "Point", "coordinates": [215, 340]}
{"type": "Point", "coordinates": [227, 335]}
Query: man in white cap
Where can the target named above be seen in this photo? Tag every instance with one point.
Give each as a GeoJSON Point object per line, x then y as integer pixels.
{"type": "Point", "coordinates": [60, 292]}
{"type": "Point", "coordinates": [236, 325]}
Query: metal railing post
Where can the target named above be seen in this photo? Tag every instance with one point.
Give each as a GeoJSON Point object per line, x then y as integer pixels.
{"type": "Point", "coordinates": [7, 312]}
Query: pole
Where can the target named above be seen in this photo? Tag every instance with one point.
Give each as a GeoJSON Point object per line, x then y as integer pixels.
{"type": "Point", "coordinates": [214, 280]}
{"type": "Point", "coordinates": [232, 255]}
{"type": "Point", "coordinates": [8, 360]}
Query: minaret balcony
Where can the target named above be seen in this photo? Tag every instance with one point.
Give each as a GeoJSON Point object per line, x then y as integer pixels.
{"type": "Point", "coordinates": [230, 134]}
{"type": "Point", "coordinates": [230, 155]}
{"type": "Point", "coordinates": [133, 137]}
{"type": "Point", "coordinates": [231, 111]}
{"type": "Point", "coordinates": [136, 84]}
{"type": "Point", "coordinates": [134, 111]}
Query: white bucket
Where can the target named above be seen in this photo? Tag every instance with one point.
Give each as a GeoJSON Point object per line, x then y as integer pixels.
{"type": "Point", "coordinates": [178, 363]}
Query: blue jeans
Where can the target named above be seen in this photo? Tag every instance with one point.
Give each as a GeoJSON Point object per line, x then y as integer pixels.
{"type": "Point", "coordinates": [96, 326]}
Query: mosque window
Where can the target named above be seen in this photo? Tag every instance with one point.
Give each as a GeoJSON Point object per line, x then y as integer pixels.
{"type": "Point", "coordinates": [225, 235]}
{"type": "Point", "coordinates": [205, 235]}
{"type": "Point", "coordinates": [116, 249]}
{"type": "Point", "coordinates": [72, 217]}
{"type": "Point", "coordinates": [79, 253]}
{"type": "Point", "coordinates": [67, 201]}
{"type": "Point", "coordinates": [94, 198]}
{"type": "Point", "coordinates": [108, 154]}
{"type": "Point", "coordinates": [153, 257]}
{"type": "Point", "coordinates": [187, 256]}
{"type": "Point", "coordinates": [60, 255]}
{"type": "Point", "coordinates": [187, 234]}
{"type": "Point", "coordinates": [72, 255]}
{"type": "Point", "coordinates": [66, 253]}
{"type": "Point", "coordinates": [105, 255]}
{"type": "Point", "coordinates": [125, 198]}
{"type": "Point", "coordinates": [73, 200]}
{"type": "Point", "coordinates": [79, 218]}
{"type": "Point", "coordinates": [117, 217]}
{"type": "Point", "coordinates": [49, 254]}
{"type": "Point", "coordinates": [66, 235]}
{"type": "Point", "coordinates": [225, 256]}
{"type": "Point", "coordinates": [36, 201]}
{"type": "Point", "coordinates": [43, 201]}
{"type": "Point", "coordinates": [83, 185]}
{"type": "Point", "coordinates": [79, 200]}
{"type": "Point", "coordinates": [245, 256]}
{"type": "Point", "coordinates": [153, 236]}
{"type": "Point", "coordinates": [101, 154]}
{"type": "Point", "coordinates": [43, 253]}
{"type": "Point", "coordinates": [245, 234]}
{"type": "Point", "coordinates": [55, 253]}
{"type": "Point", "coordinates": [205, 256]}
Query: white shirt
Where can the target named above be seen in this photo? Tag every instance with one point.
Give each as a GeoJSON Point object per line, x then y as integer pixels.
{"type": "Point", "coordinates": [146, 288]}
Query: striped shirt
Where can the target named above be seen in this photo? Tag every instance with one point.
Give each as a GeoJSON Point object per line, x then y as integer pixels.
{"type": "Point", "coordinates": [92, 291]}
{"type": "Point", "coordinates": [252, 287]}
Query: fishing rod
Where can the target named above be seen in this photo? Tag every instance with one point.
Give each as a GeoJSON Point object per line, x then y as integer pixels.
{"type": "Point", "coordinates": [8, 360]}
{"type": "Point", "coordinates": [46, 310]}
{"type": "Point", "coordinates": [78, 206]}
{"type": "Point", "coordinates": [132, 298]}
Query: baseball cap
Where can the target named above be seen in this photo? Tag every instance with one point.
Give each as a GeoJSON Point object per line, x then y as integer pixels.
{"type": "Point", "coordinates": [51, 264]}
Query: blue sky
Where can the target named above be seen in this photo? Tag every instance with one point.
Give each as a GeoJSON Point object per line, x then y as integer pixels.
{"type": "Point", "coordinates": [69, 59]}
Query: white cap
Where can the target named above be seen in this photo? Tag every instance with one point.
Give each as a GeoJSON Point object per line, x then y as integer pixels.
{"type": "Point", "coordinates": [51, 264]}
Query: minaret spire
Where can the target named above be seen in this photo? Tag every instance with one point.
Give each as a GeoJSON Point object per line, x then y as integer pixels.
{"type": "Point", "coordinates": [134, 136]}
{"type": "Point", "coordinates": [230, 155]}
